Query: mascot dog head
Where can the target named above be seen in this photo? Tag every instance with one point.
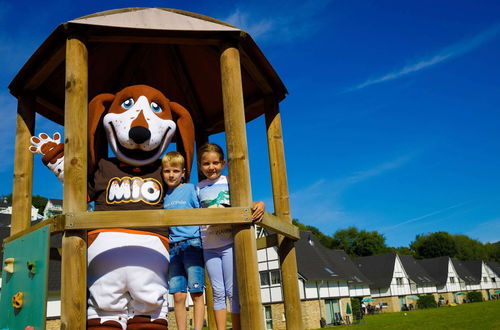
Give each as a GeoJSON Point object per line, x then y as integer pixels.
{"type": "Point", "coordinates": [139, 122]}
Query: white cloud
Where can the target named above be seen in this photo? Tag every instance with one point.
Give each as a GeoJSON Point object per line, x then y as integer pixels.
{"type": "Point", "coordinates": [443, 55]}
{"type": "Point", "coordinates": [415, 219]}
{"type": "Point", "coordinates": [318, 204]}
{"type": "Point", "coordinates": [273, 22]}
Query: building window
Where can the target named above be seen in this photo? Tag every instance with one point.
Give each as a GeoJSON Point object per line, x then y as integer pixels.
{"type": "Point", "coordinates": [264, 278]}
{"type": "Point", "coordinates": [268, 315]}
{"type": "Point", "coordinates": [493, 279]}
{"type": "Point", "coordinates": [485, 279]}
{"type": "Point", "coordinates": [399, 281]}
{"type": "Point", "coordinates": [275, 277]}
{"type": "Point", "coordinates": [452, 279]}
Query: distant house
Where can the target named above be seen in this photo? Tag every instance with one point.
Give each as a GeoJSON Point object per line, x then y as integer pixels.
{"type": "Point", "coordinates": [448, 282]}
{"type": "Point", "coordinates": [488, 279]}
{"type": "Point", "coordinates": [421, 282]}
{"type": "Point", "coordinates": [327, 279]}
{"type": "Point", "coordinates": [390, 283]}
{"type": "Point", "coordinates": [6, 208]}
{"type": "Point", "coordinates": [469, 281]}
{"type": "Point", "coordinates": [52, 208]}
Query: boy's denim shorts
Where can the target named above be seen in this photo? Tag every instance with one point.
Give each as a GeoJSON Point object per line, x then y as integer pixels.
{"type": "Point", "coordinates": [186, 270]}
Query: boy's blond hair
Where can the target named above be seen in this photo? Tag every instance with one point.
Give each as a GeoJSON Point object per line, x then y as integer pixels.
{"type": "Point", "coordinates": [173, 158]}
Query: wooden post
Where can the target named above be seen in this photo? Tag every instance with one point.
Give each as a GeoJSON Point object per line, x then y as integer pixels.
{"type": "Point", "coordinates": [252, 316]}
{"type": "Point", "coordinates": [23, 166]}
{"type": "Point", "coordinates": [74, 246]}
{"type": "Point", "coordinates": [281, 199]}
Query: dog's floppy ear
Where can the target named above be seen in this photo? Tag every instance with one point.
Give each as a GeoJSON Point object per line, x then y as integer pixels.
{"type": "Point", "coordinates": [186, 129]}
{"type": "Point", "coordinates": [97, 136]}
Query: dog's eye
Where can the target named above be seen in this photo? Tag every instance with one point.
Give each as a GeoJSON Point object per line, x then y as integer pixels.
{"type": "Point", "coordinates": [128, 103]}
{"type": "Point", "coordinates": [155, 107]}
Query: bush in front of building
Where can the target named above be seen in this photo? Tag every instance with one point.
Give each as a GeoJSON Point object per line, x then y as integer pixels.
{"type": "Point", "coordinates": [427, 301]}
{"type": "Point", "coordinates": [356, 307]}
{"type": "Point", "coordinates": [474, 296]}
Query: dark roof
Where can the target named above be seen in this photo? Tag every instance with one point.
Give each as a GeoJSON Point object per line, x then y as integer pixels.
{"type": "Point", "coordinates": [495, 267]}
{"type": "Point", "coordinates": [464, 273]}
{"type": "Point", "coordinates": [54, 265]}
{"type": "Point", "coordinates": [378, 269]}
{"type": "Point", "coordinates": [5, 220]}
{"type": "Point", "coordinates": [340, 260]}
{"type": "Point", "coordinates": [4, 203]}
{"type": "Point", "coordinates": [313, 261]}
{"type": "Point", "coordinates": [437, 268]}
{"type": "Point", "coordinates": [55, 201]}
{"type": "Point", "coordinates": [475, 267]}
{"type": "Point", "coordinates": [316, 262]}
{"type": "Point", "coordinates": [415, 271]}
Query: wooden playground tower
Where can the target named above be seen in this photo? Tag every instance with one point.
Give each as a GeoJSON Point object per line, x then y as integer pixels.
{"type": "Point", "coordinates": [217, 72]}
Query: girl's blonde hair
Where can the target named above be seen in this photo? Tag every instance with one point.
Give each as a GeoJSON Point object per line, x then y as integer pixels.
{"type": "Point", "coordinates": [173, 158]}
{"type": "Point", "coordinates": [210, 147]}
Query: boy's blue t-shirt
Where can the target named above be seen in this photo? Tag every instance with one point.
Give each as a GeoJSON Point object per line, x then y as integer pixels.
{"type": "Point", "coordinates": [182, 197]}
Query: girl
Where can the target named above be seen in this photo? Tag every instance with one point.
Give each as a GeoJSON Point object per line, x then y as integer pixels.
{"type": "Point", "coordinates": [218, 240]}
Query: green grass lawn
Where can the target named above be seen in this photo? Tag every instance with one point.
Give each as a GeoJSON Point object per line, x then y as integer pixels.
{"type": "Point", "coordinates": [481, 315]}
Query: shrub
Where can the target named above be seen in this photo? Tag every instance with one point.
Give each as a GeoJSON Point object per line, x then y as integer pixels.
{"type": "Point", "coordinates": [427, 301]}
{"type": "Point", "coordinates": [356, 306]}
{"type": "Point", "coordinates": [474, 296]}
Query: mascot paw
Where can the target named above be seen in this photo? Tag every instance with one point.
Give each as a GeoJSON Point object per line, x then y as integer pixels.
{"type": "Point", "coordinates": [43, 143]}
{"type": "Point", "coordinates": [52, 150]}
{"type": "Point", "coordinates": [144, 323]}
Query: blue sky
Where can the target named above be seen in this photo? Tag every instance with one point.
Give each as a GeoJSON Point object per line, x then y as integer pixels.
{"type": "Point", "coordinates": [391, 122]}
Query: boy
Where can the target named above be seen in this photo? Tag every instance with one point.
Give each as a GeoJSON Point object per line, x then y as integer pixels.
{"type": "Point", "coordinates": [186, 255]}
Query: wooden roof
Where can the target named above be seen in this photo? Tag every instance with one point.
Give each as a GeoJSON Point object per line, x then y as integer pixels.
{"type": "Point", "coordinates": [174, 51]}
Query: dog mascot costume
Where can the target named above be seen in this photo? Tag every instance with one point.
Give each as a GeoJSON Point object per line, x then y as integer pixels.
{"type": "Point", "coordinates": [127, 268]}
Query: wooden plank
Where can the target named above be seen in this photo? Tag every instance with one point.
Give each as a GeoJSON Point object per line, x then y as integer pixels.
{"type": "Point", "coordinates": [280, 226]}
{"type": "Point", "coordinates": [241, 195]}
{"type": "Point", "coordinates": [256, 74]}
{"type": "Point", "coordinates": [23, 166]}
{"type": "Point", "coordinates": [49, 105]}
{"type": "Point", "coordinates": [55, 223]}
{"type": "Point", "coordinates": [74, 246]}
{"type": "Point", "coordinates": [47, 68]}
{"type": "Point", "coordinates": [154, 40]}
{"type": "Point", "coordinates": [157, 218]}
{"type": "Point", "coordinates": [267, 241]}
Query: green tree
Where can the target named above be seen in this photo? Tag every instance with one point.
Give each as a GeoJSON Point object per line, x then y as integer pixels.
{"type": "Point", "coordinates": [434, 245]}
{"type": "Point", "coordinates": [469, 249]}
{"type": "Point", "coordinates": [359, 243]}
{"type": "Point", "coordinates": [39, 202]}
{"type": "Point", "coordinates": [325, 240]}
{"type": "Point", "coordinates": [492, 251]}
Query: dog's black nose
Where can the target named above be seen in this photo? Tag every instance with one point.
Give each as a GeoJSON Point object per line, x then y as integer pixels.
{"type": "Point", "coordinates": [139, 134]}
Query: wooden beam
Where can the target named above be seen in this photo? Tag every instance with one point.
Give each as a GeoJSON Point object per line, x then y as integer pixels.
{"type": "Point", "coordinates": [154, 40]}
{"type": "Point", "coordinates": [157, 218]}
{"type": "Point", "coordinates": [74, 245]}
{"type": "Point", "coordinates": [256, 74]}
{"type": "Point", "coordinates": [252, 316]}
{"type": "Point", "coordinates": [267, 241]}
{"type": "Point", "coordinates": [280, 226]}
{"type": "Point", "coordinates": [23, 166]}
{"type": "Point", "coordinates": [46, 70]}
{"type": "Point", "coordinates": [56, 224]}
{"type": "Point", "coordinates": [281, 198]}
